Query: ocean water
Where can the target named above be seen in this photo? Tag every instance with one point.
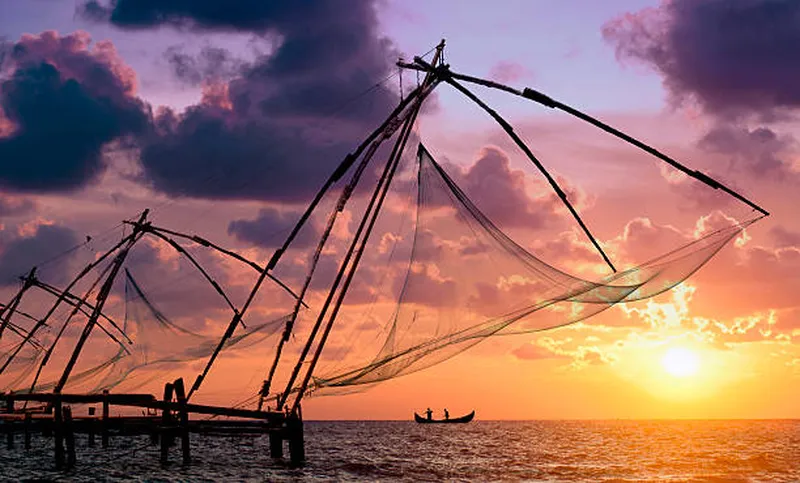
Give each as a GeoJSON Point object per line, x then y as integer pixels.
{"type": "Point", "coordinates": [591, 451]}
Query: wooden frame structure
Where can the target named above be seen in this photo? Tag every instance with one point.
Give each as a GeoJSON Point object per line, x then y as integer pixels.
{"type": "Point", "coordinates": [285, 422]}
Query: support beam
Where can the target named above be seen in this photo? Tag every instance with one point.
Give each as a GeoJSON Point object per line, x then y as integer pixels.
{"type": "Point", "coordinates": [43, 321]}
{"type": "Point", "coordinates": [545, 100]}
{"type": "Point", "coordinates": [443, 73]}
{"type": "Point", "coordinates": [388, 168]}
{"type": "Point", "coordinates": [102, 296]}
{"type": "Point", "coordinates": [335, 176]}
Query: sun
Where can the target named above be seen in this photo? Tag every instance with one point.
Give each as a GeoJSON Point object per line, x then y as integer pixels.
{"type": "Point", "coordinates": [680, 362]}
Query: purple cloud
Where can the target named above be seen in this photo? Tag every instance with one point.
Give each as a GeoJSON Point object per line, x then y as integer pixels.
{"type": "Point", "coordinates": [731, 56]}
{"type": "Point", "coordinates": [278, 127]}
{"type": "Point", "coordinates": [64, 103]}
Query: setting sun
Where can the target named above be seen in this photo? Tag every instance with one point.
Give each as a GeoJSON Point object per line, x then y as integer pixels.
{"type": "Point", "coordinates": [680, 362]}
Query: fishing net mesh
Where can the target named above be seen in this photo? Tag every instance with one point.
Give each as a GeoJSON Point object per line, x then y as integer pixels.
{"type": "Point", "coordinates": [467, 280]}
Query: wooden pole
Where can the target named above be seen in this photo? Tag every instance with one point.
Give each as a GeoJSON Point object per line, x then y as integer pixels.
{"type": "Point", "coordinates": [92, 426]}
{"type": "Point", "coordinates": [27, 425]}
{"type": "Point", "coordinates": [58, 430]}
{"type": "Point", "coordinates": [183, 421]}
{"type": "Point", "coordinates": [69, 437]}
{"type": "Point", "coordinates": [9, 424]}
{"type": "Point", "coordinates": [102, 296]}
{"type": "Point", "coordinates": [344, 263]}
{"type": "Point", "coordinates": [166, 421]}
{"type": "Point", "coordinates": [104, 423]}
{"type": "Point", "coordinates": [276, 443]}
{"type": "Point", "coordinates": [43, 321]}
{"type": "Point", "coordinates": [340, 171]}
{"type": "Point", "coordinates": [297, 450]}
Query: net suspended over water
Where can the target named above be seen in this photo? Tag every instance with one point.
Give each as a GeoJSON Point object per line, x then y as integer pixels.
{"type": "Point", "coordinates": [467, 281]}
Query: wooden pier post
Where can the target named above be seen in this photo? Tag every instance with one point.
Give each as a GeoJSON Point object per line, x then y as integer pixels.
{"type": "Point", "coordinates": [58, 432]}
{"type": "Point", "coordinates": [69, 437]}
{"type": "Point", "coordinates": [297, 450]}
{"type": "Point", "coordinates": [276, 444]}
{"type": "Point", "coordinates": [9, 423]}
{"type": "Point", "coordinates": [27, 426]}
{"type": "Point", "coordinates": [92, 422]}
{"type": "Point", "coordinates": [183, 421]}
{"type": "Point", "coordinates": [104, 423]}
{"type": "Point", "coordinates": [166, 421]}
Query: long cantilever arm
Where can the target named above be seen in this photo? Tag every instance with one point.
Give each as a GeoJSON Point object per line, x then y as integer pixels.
{"type": "Point", "coordinates": [536, 96]}
{"type": "Point", "coordinates": [443, 73]}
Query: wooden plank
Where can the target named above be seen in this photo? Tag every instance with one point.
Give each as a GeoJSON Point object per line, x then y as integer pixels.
{"type": "Point", "coordinates": [149, 401]}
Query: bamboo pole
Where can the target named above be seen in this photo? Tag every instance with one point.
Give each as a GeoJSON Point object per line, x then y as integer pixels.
{"type": "Point", "coordinates": [10, 309]}
{"type": "Point", "coordinates": [205, 243]}
{"type": "Point", "coordinates": [376, 195]}
{"type": "Point", "coordinates": [545, 100]}
{"type": "Point", "coordinates": [183, 420]}
{"type": "Point", "coordinates": [344, 166]}
{"type": "Point", "coordinates": [104, 424]}
{"type": "Point", "coordinates": [102, 296]}
{"type": "Point", "coordinates": [166, 425]}
{"type": "Point", "coordinates": [58, 432]}
{"type": "Point", "coordinates": [43, 321]}
{"type": "Point", "coordinates": [339, 207]}
{"type": "Point", "coordinates": [429, 83]}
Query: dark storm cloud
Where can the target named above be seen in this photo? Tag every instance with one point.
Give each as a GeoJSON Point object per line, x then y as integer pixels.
{"type": "Point", "coordinates": [64, 104]}
{"type": "Point", "coordinates": [738, 59]}
{"type": "Point", "coordinates": [19, 255]}
{"type": "Point", "coordinates": [733, 56]}
{"type": "Point", "coordinates": [237, 15]}
{"type": "Point", "coordinates": [278, 128]}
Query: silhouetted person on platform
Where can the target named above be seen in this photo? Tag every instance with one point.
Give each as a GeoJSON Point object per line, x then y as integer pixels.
{"type": "Point", "coordinates": [446, 414]}
{"type": "Point", "coordinates": [429, 413]}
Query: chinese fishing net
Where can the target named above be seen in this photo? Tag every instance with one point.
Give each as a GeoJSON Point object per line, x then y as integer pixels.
{"type": "Point", "coordinates": [467, 280]}
{"type": "Point", "coordinates": [135, 342]}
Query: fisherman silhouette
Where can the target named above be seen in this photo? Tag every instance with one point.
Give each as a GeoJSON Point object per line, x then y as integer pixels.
{"type": "Point", "coordinates": [429, 413]}
{"type": "Point", "coordinates": [446, 414]}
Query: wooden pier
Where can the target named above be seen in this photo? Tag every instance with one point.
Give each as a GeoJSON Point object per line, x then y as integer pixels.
{"type": "Point", "coordinates": [165, 420]}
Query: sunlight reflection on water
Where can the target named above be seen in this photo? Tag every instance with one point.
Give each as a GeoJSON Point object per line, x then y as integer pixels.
{"type": "Point", "coordinates": [480, 451]}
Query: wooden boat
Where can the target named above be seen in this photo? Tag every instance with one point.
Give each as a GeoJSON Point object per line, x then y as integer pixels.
{"type": "Point", "coordinates": [462, 419]}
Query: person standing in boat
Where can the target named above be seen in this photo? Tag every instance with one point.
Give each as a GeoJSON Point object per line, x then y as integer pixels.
{"type": "Point", "coordinates": [446, 414]}
{"type": "Point", "coordinates": [429, 413]}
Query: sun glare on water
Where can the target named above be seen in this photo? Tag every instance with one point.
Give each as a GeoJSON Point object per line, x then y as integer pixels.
{"type": "Point", "coordinates": [680, 362]}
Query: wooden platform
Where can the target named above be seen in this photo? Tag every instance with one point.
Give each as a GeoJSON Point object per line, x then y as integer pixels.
{"type": "Point", "coordinates": [163, 420]}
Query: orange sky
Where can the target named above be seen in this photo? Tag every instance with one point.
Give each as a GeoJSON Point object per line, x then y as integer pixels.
{"type": "Point", "coordinates": [736, 321]}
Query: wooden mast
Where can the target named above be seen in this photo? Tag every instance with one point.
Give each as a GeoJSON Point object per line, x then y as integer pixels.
{"type": "Point", "coordinates": [102, 296]}
{"type": "Point", "coordinates": [368, 222]}
{"type": "Point", "coordinates": [545, 100]}
{"type": "Point", "coordinates": [340, 171]}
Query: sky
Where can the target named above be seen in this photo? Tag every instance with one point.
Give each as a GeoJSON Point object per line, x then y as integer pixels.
{"type": "Point", "coordinates": [224, 121]}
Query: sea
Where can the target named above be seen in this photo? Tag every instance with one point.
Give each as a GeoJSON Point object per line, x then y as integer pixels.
{"type": "Point", "coordinates": [551, 451]}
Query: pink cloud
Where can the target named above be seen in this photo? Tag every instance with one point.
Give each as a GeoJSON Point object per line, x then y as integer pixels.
{"type": "Point", "coordinates": [506, 71]}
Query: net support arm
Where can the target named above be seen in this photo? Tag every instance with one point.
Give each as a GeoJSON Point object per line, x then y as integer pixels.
{"type": "Point", "coordinates": [43, 321]}
{"type": "Point", "coordinates": [199, 268]}
{"type": "Point", "coordinates": [11, 308]}
{"type": "Point", "coordinates": [102, 296]}
{"type": "Point", "coordinates": [76, 307]}
{"type": "Point", "coordinates": [545, 100]}
{"type": "Point", "coordinates": [74, 301]}
{"type": "Point", "coordinates": [208, 244]}
{"type": "Point", "coordinates": [340, 205]}
{"type": "Point", "coordinates": [444, 73]}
